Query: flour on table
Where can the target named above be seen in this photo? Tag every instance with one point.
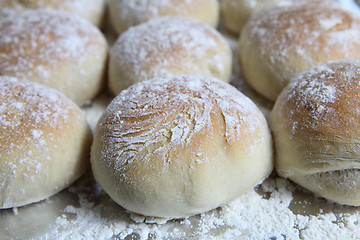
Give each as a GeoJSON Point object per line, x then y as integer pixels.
{"type": "Point", "coordinates": [267, 213]}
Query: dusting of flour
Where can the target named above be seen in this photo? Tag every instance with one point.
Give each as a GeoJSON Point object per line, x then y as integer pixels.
{"type": "Point", "coordinates": [268, 212]}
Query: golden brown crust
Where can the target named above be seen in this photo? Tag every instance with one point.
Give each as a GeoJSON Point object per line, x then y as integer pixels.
{"type": "Point", "coordinates": [167, 46]}
{"type": "Point", "coordinates": [125, 14]}
{"type": "Point", "coordinates": [235, 13]}
{"type": "Point", "coordinates": [315, 122]}
{"type": "Point", "coordinates": [277, 44]}
{"type": "Point", "coordinates": [91, 10]}
{"type": "Point", "coordinates": [174, 147]}
{"type": "Point", "coordinates": [55, 49]}
{"type": "Point", "coordinates": [44, 142]}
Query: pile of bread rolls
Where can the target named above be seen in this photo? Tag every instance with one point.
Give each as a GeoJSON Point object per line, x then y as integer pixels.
{"type": "Point", "coordinates": [177, 139]}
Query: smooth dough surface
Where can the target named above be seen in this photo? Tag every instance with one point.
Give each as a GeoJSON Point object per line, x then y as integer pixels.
{"type": "Point", "coordinates": [277, 44]}
{"type": "Point", "coordinates": [235, 13]}
{"type": "Point", "coordinates": [167, 46]}
{"type": "Point", "coordinates": [316, 128]}
{"type": "Point", "coordinates": [178, 146]}
{"type": "Point", "coordinates": [44, 142]}
{"type": "Point", "coordinates": [56, 49]}
{"type": "Point", "coordinates": [124, 13]}
{"type": "Point", "coordinates": [92, 10]}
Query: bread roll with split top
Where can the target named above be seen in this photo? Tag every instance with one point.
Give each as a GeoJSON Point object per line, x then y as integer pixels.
{"type": "Point", "coordinates": [56, 49]}
{"type": "Point", "coordinates": [177, 146]}
{"type": "Point", "coordinates": [124, 13]}
{"type": "Point", "coordinates": [316, 128]}
{"type": "Point", "coordinates": [44, 142]}
{"type": "Point", "coordinates": [168, 46]}
{"type": "Point", "coordinates": [277, 44]}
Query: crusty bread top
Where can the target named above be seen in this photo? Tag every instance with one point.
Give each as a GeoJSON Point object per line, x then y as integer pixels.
{"type": "Point", "coordinates": [42, 37]}
{"type": "Point", "coordinates": [126, 13]}
{"type": "Point", "coordinates": [292, 39]}
{"type": "Point", "coordinates": [91, 10]}
{"type": "Point", "coordinates": [317, 117]}
{"type": "Point", "coordinates": [30, 112]}
{"type": "Point", "coordinates": [170, 45]}
{"type": "Point", "coordinates": [176, 114]}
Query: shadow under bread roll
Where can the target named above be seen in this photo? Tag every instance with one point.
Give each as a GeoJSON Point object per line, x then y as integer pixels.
{"type": "Point", "coordinates": [316, 128]}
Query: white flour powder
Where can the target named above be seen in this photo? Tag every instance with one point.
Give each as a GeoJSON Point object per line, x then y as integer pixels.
{"type": "Point", "coordinates": [276, 210]}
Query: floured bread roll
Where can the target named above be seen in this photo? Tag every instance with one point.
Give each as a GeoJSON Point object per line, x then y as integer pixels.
{"type": "Point", "coordinates": [277, 44]}
{"type": "Point", "coordinates": [168, 46]}
{"type": "Point", "coordinates": [235, 13]}
{"type": "Point", "coordinates": [55, 49]}
{"type": "Point", "coordinates": [44, 142]}
{"type": "Point", "coordinates": [91, 10]}
{"type": "Point", "coordinates": [124, 13]}
{"type": "Point", "coordinates": [316, 129]}
{"type": "Point", "coordinates": [177, 146]}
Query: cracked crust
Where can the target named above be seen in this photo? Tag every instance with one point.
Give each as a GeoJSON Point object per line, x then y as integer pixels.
{"type": "Point", "coordinates": [178, 146]}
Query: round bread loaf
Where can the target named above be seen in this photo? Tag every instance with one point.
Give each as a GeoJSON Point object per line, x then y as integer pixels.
{"type": "Point", "coordinates": [55, 49]}
{"type": "Point", "coordinates": [168, 46]}
{"type": "Point", "coordinates": [44, 142]}
{"type": "Point", "coordinates": [178, 146]}
{"type": "Point", "coordinates": [124, 13]}
{"type": "Point", "coordinates": [235, 13]}
{"type": "Point", "coordinates": [316, 129]}
{"type": "Point", "coordinates": [277, 44]}
{"type": "Point", "coordinates": [91, 10]}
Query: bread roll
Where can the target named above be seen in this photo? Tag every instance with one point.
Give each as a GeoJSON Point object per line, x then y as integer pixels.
{"type": "Point", "coordinates": [44, 142]}
{"type": "Point", "coordinates": [55, 49]}
{"type": "Point", "coordinates": [91, 10]}
{"type": "Point", "coordinates": [235, 13]}
{"type": "Point", "coordinates": [316, 128]}
{"type": "Point", "coordinates": [279, 43]}
{"type": "Point", "coordinates": [167, 46]}
{"type": "Point", "coordinates": [124, 13]}
{"type": "Point", "coordinates": [177, 146]}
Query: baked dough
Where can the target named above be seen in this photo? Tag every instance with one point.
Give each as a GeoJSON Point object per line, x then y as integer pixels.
{"type": "Point", "coordinates": [44, 142]}
{"type": "Point", "coordinates": [235, 13]}
{"type": "Point", "coordinates": [178, 146]}
{"type": "Point", "coordinates": [124, 13]}
{"type": "Point", "coordinates": [277, 44]}
{"type": "Point", "coordinates": [167, 46]}
{"type": "Point", "coordinates": [91, 10]}
{"type": "Point", "coordinates": [56, 49]}
{"type": "Point", "coordinates": [316, 128]}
